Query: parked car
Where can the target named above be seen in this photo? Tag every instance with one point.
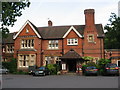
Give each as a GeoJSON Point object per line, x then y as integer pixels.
{"type": "Point", "coordinates": [3, 70]}
{"type": "Point", "coordinates": [90, 70]}
{"type": "Point", "coordinates": [111, 69]}
{"type": "Point", "coordinates": [31, 70]}
{"type": "Point", "coordinates": [41, 71]}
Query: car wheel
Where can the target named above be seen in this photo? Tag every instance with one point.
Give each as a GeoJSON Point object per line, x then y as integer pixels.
{"type": "Point", "coordinates": [49, 73]}
{"type": "Point", "coordinates": [117, 74]}
{"type": "Point", "coordinates": [33, 74]}
{"type": "Point", "coordinates": [6, 73]}
{"type": "Point", "coordinates": [86, 74]}
{"type": "Point", "coordinates": [43, 74]}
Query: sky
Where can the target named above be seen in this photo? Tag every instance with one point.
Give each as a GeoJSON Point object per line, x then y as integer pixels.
{"type": "Point", "coordinates": [65, 12]}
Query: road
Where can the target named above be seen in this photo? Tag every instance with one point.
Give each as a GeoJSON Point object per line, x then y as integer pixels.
{"type": "Point", "coordinates": [59, 81]}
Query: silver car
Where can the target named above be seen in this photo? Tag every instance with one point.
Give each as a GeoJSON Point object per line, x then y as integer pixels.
{"type": "Point", "coordinates": [3, 70]}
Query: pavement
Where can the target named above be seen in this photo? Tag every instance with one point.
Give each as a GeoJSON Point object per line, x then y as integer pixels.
{"type": "Point", "coordinates": [60, 81]}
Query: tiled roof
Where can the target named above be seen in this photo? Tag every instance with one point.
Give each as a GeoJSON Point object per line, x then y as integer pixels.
{"type": "Point", "coordinates": [57, 32]}
{"type": "Point", "coordinates": [9, 39]}
{"type": "Point", "coordinates": [100, 30]}
{"type": "Point", "coordinates": [71, 55]}
{"type": "Point", "coordinates": [54, 32]}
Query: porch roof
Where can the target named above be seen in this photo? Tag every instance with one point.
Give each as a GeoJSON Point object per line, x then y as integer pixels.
{"type": "Point", "coordinates": [71, 55]}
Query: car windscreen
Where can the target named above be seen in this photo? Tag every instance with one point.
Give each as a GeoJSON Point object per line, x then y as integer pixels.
{"type": "Point", "coordinates": [112, 65]}
{"type": "Point", "coordinates": [42, 68]}
{"type": "Point", "coordinates": [91, 67]}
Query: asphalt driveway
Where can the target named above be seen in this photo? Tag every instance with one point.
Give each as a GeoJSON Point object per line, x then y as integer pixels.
{"type": "Point", "coordinates": [59, 81]}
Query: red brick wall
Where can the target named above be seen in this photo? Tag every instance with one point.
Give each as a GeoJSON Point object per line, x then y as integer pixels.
{"type": "Point", "coordinates": [77, 48]}
{"type": "Point", "coordinates": [93, 49]}
{"type": "Point", "coordinates": [37, 44]}
{"type": "Point", "coordinates": [114, 52]}
{"type": "Point", "coordinates": [31, 32]}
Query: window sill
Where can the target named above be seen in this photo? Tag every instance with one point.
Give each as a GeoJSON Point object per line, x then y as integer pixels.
{"type": "Point", "coordinates": [52, 49]}
{"type": "Point", "coordinates": [91, 42]}
{"type": "Point", "coordinates": [23, 66]}
{"type": "Point", "coordinates": [72, 45]}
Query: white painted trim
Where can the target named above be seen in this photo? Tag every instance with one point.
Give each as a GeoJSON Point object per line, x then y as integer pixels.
{"type": "Point", "coordinates": [27, 22]}
{"type": "Point", "coordinates": [117, 62]}
{"type": "Point", "coordinates": [72, 28]}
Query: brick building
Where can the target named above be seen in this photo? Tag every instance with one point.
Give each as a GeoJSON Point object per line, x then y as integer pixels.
{"type": "Point", "coordinates": [7, 48]}
{"type": "Point", "coordinates": [65, 45]}
{"type": "Point", "coordinates": [113, 55]}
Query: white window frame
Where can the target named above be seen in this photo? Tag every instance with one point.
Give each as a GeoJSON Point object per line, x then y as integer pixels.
{"type": "Point", "coordinates": [32, 60]}
{"type": "Point", "coordinates": [3, 49]}
{"type": "Point", "coordinates": [71, 41]}
{"type": "Point", "coordinates": [21, 60]}
{"type": "Point", "coordinates": [53, 44]}
{"type": "Point", "coordinates": [89, 37]}
{"type": "Point", "coordinates": [9, 49]}
{"type": "Point", "coordinates": [117, 62]}
{"type": "Point", "coordinates": [57, 59]}
{"type": "Point", "coordinates": [25, 43]}
{"type": "Point", "coordinates": [63, 66]}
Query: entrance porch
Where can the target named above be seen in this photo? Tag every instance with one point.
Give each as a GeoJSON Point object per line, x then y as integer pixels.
{"type": "Point", "coordinates": [71, 62]}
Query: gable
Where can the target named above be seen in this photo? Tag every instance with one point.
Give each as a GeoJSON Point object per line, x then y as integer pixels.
{"type": "Point", "coordinates": [72, 29]}
{"type": "Point", "coordinates": [31, 30]}
{"type": "Point", "coordinates": [25, 29]}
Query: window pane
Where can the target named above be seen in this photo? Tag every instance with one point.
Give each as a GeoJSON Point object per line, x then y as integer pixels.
{"type": "Point", "coordinates": [73, 41]}
{"type": "Point", "coordinates": [53, 44]}
{"type": "Point", "coordinates": [118, 63]}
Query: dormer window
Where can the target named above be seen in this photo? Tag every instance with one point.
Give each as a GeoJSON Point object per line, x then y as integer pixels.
{"type": "Point", "coordinates": [27, 31]}
{"type": "Point", "coordinates": [90, 38]}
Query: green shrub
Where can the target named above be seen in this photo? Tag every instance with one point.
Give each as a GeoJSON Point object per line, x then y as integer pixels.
{"type": "Point", "coordinates": [91, 64]}
{"type": "Point", "coordinates": [11, 66]}
{"type": "Point", "coordinates": [54, 68]}
{"type": "Point", "coordinates": [101, 65]}
{"type": "Point", "coordinates": [21, 72]}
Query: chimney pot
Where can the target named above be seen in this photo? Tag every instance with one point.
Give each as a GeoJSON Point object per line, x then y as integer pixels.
{"type": "Point", "coordinates": [49, 23]}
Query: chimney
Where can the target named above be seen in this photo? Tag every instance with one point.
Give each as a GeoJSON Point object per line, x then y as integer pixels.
{"type": "Point", "coordinates": [49, 23]}
{"type": "Point", "coordinates": [89, 17]}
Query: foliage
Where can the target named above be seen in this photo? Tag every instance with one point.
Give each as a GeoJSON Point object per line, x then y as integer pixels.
{"type": "Point", "coordinates": [101, 65]}
{"type": "Point", "coordinates": [87, 58]}
{"type": "Point", "coordinates": [54, 68]}
{"type": "Point", "coordinates": [103, 62]}
{"type": "Point", "coordinates": [91, 64]}
{"type": "Point", "coordinates": [20, 72]}
{"type": "Point", "coordinates": [112, 40]}
{"type": "Point", "coordinates": [11, 66]}
{"type": "Point", "coordinates": [11, 10]}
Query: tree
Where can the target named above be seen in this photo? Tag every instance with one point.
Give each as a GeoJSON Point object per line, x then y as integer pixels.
{"type": "Point", "coordinates": [112, 40]}
{"type": "Point", "coordinates": [11, 10]}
